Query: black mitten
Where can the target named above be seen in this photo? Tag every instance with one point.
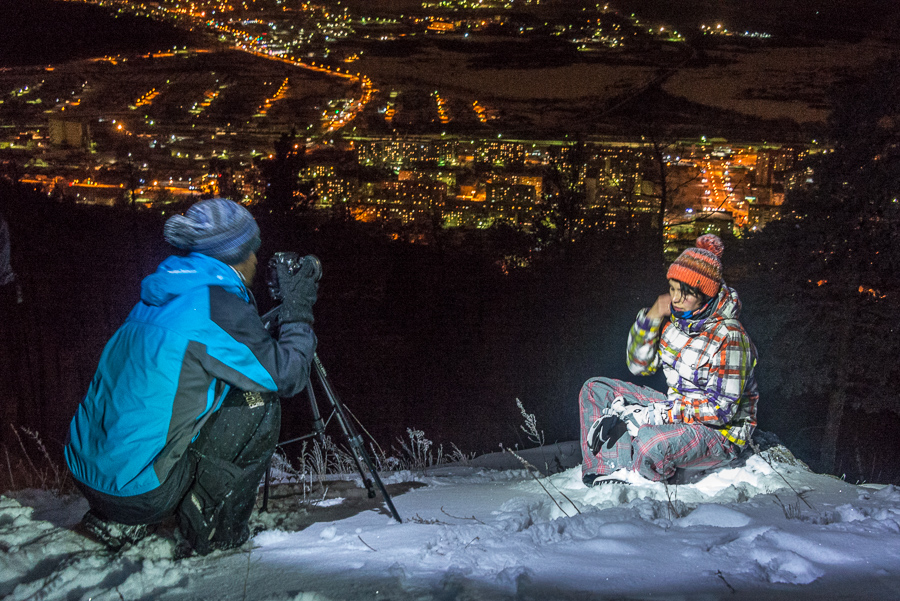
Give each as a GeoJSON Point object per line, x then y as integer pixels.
{"type": "Point", "coordinates": [606, 430]}
{"type": "Point", "coordinates": [295, 282]}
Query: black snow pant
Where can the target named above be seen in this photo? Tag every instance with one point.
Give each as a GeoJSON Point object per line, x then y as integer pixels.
{"type": "Point", "coordinates": [212, 489]}
{"type": "Point", "coordinates": [231, 452]}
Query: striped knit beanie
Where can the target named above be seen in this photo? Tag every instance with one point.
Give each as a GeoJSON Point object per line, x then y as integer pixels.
{"type": "Point", "coordinates": [701, 266]}
{"type": "Point", "coordinates": [218, 228]}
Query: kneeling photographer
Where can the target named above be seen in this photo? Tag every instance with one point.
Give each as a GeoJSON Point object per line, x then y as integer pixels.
{"type": "Point", "coordinates": [183, 412]}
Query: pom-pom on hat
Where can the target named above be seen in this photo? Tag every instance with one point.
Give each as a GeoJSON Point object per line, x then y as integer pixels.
{"type": "Point", "coordinates": [701, 266]}
{"type": "Point", "coordinates": [218, 228]}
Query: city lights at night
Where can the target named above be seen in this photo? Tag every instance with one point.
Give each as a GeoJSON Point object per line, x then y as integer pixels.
{"type": "Point", "coordinates": [306, 46]}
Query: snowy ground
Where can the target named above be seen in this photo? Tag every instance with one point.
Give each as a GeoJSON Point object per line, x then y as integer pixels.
{"type": "Point", "coordinates": [486, 532]}
{"type": "Point", "coordinates": [453, 72]}
{"type": "Point", "coordinates": [769, 83]}
{"type": "Point", "coordinates": [790, 83]}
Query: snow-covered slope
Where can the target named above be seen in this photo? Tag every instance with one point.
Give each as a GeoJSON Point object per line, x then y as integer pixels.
{"type": "Point", "coordinates": [485, 531]}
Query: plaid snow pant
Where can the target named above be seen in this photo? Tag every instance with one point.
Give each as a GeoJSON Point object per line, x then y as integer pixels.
{"type": "Point", "coordinates": [657, 451]}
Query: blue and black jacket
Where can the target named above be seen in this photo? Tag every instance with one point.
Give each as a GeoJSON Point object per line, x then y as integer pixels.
{"type": "Point", "coordinates": [194, 334]}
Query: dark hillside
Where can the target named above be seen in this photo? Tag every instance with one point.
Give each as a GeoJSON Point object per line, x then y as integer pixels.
{"type": "Point", "coordinates": [434, 338]}
{"type": "Point", "coordinates": [39, 32]}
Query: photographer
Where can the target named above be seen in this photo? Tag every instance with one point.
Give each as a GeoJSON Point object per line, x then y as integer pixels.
{"type": "Point", "coordinates": [183, 412]}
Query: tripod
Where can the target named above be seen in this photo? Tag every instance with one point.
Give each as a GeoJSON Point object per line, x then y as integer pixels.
{"type": "Point", "coordinates": [352, 437]}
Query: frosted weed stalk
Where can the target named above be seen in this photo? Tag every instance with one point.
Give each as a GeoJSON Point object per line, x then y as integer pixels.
{"type": "Point", "coordinates": [419, 453]}
{"type": "Point", "coordinates": [31, 466]}
{"type": "Point", "coordinates": [530, 428]}
{"type": "Point", "coordinates": [415, 457]}
{"type": "Point", "coordinates": [322, 458]}
{"type": "Point", "coordinates": [536, 474]}
{"type": "Point", "coordinates": [302, 477]}
{"type": "Point", "coordinates": [315, 461]}
{"type": "Point", "coordinates": [537, 437]}
{"type": "Point", "coordinates": [789, 511]}
{"type": "Point", "coordinates": [534, 435]}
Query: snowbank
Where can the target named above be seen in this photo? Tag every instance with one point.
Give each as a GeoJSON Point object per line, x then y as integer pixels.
{"type": "Point", "coordinates": [491, 530]}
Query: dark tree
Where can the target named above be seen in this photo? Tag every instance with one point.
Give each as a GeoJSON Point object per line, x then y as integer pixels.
{"type": "Point", "coordinates": [825, 282]}
{"type": "Point", "coordinates": [282, 174]}
{"type": "Point", "coordinates": [224, 170]}
{"type": "Point", "coordinates": [557, 221]}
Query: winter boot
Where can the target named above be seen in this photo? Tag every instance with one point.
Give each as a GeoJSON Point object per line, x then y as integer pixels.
{"type": "Point", "coordinates": [205, 515]}
{"type": "Point", "coordinates": [601, 480]}
{"type": "Point", "coordinates": [235, 541]}
{"type": "Point", "coordinates": [620, 476]}
{"type": "Point", "coordinates": [182, 548]}
{"type": "Point", "coordinates": [113, 534]}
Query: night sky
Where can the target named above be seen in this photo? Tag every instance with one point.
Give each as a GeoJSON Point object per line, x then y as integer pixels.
{"type": "Point", "coordinates": [35, 32]}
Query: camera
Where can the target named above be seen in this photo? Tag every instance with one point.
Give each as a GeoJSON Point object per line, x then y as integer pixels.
{"type": "Point", "coordinates": [290, 264]}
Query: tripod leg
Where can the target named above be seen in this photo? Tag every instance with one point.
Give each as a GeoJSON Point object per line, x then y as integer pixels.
{"type": "Point", "coordinates": [265, 504]}
{"type": "Point", "coordinates": [354, 440]}
{"type": "Point", "coordinates": [318, 422]}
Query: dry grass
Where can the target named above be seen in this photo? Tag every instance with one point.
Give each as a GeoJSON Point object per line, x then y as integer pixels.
{"type": "Point", "coordinates": [28, 464]}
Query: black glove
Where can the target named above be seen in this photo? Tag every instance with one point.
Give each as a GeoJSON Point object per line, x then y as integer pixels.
{"type": "Point", "coordinates": [608, 429]}
{"type": "Point", "coordinates": [294, 280]}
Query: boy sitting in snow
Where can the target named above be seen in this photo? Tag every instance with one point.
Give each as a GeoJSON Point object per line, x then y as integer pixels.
{"type": "Point", "coordinates": [709, 412]}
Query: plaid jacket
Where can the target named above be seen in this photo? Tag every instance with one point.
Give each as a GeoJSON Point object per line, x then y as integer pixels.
{"type": "Point", "coordinates": [709, 366]}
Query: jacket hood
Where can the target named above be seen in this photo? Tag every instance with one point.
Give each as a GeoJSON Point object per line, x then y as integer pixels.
{"type": "Point", "coordinates": [177, 275]}
{"type": "Point", "coordinates": [727, 306]}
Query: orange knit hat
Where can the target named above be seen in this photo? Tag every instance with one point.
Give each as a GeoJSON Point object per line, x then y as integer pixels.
{"type": "Point", "coordinates": [701, 266]}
